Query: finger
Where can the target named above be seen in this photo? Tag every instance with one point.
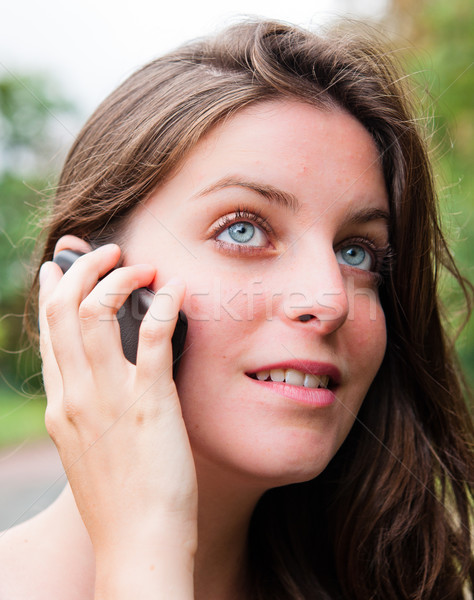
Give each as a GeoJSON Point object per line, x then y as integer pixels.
{"type": "Point", "coordinates": [50, 274]}
{"type": "Point", "coordinates": [154, 356]}
{"type": "Point", "coordinates": [72, 242]}
{"type": "Point", "coordinates": [99, 325]}
{"type": "Point", "coordinates": [85, 272]}
{"type": "Point", "coordinates": [62, 306]}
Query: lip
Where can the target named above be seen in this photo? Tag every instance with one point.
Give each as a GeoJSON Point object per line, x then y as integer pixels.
{"type": "Point", "coordinates": [306, 366]}
{"type": "Point", "coordinates": [313, 397]}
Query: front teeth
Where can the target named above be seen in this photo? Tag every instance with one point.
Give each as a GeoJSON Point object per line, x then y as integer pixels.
{"type": "Point", "coordinates": [294, 377]}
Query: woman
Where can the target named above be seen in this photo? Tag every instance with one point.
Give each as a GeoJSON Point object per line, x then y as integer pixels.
{"type": "Point", "coordinates": [315, 443]}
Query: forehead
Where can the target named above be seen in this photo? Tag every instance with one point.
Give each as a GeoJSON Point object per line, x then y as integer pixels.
{"type": "Point", "coordinates": [294, 145]}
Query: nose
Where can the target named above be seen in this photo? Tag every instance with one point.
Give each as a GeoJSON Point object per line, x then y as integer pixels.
{"type": "Point", "coordinates": [315, 293]}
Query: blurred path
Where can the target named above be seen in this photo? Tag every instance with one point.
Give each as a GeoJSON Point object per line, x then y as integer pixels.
{"type": "Point", "coordinates": [31, 477]}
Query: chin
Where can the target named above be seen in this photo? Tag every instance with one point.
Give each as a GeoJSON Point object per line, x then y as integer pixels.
{"type": "Point", "coordinates": [286, 474]}
{"type": "Point", "coordinates": [264, 466]}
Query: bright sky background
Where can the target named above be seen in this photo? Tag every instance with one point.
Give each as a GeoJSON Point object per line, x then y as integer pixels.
{"type": "Point", "coordinates": [90, 46]}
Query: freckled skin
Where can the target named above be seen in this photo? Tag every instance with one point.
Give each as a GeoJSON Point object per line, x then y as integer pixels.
{"type": "Point", "coordinates": [244, 308]}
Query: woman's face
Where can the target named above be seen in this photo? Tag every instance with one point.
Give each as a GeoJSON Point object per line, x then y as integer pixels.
{"type": "Point", "coordinates": [279, 213]}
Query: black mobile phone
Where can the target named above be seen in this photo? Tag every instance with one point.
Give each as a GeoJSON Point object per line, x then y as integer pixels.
{"type": "Point", "coordinates": [131, 315]}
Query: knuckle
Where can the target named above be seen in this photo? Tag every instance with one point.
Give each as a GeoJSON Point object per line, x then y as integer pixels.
{"type": "Point", "coordinates": [152, 332]}
{"type": "Point", "coordinates": [54, 310]}
{"type": "Point", "coordinates": [72, 409]}
{"type": "Point", "coordinates": [88, 311]}
{"type": "Point", "coordinates": [51, 421]}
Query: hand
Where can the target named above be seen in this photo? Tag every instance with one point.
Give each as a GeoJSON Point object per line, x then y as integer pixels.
{"type": "Point", "coordinates": [118, 427]}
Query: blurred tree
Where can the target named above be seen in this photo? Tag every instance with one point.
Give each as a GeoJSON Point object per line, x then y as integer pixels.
{"type": "Point", "coordinates": [34, 126]}
{"type": "Point", "coordinates": [442, 56]}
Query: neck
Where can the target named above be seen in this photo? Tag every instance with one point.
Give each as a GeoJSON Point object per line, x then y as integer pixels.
{"type": "Point", "coordinates": [225, 508]}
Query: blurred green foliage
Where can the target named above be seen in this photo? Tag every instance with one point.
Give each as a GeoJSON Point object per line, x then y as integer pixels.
{"type": "Point", "coordinates": [33, 128]}
{"type": "Point", "coordinates": [21, 419]}
{"type": "Point", "coordinates": [442, 56]}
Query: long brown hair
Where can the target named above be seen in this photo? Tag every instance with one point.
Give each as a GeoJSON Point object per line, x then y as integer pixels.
{"type": "Point", "coordinates": [390, 516]}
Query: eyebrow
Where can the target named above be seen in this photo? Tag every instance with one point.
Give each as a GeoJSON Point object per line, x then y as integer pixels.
{"type": "Point", "coordinates": [365, 215]}
{"type": "Point", "coordinates": [268, 192]}
{"type": "Point", "coordinates": [287, 200]}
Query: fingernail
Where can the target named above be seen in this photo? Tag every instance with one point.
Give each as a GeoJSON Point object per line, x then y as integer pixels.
{"type": "Point", "coordinates": [44, 271]}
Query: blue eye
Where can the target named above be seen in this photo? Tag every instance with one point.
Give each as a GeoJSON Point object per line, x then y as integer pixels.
{"type": "Point", "coordinates": [355, 255]}
{"type": "Point", "coordinates": [243, 232]}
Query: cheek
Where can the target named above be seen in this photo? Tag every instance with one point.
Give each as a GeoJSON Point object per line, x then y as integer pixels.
{"type": "Point", "coordinates": [224, 318]}
{"type": "Point", "coordinates": [368, 337]}
{"type": "Point", "coordinates": [226, 301]}
{"type": "Point", "coordinates": [218, 326]}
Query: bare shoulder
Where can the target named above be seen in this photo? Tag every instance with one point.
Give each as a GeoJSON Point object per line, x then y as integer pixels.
{"type": "Point", "coordinates": [24, 562]}
{"type": "Point", "coordinates": [45, 558]}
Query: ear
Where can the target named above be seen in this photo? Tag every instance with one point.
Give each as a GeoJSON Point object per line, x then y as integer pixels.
{"type": "Point", "coordinates": [71, 242]}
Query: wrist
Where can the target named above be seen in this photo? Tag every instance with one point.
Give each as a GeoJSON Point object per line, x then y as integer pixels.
{"type": "Point", "coordinates": [145, 536]}
{"type": "Point", "coordinates": [145, 572]}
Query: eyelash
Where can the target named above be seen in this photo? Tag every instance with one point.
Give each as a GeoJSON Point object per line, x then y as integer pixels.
{"type": "Point", "coordinates": [241, 214]}
{"type": "Point", "coordinates": [382, 255]}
